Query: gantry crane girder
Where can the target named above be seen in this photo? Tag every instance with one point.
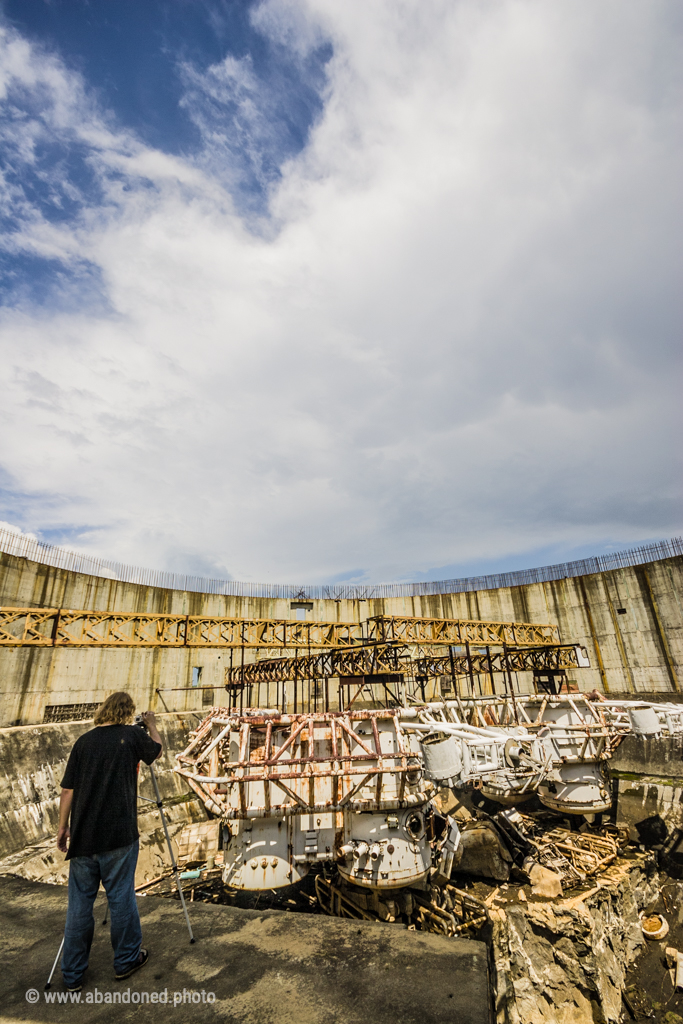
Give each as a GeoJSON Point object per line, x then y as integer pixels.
{"type": "Point", "coordinates": [459, 631]}
{"type": "Point", "coordinates": [380, 659]}
{"type": "Point", "coordinates": [58, 627]}
{"type": "Point", "coordinates": [555, 658]}
{"type": "Point", "coordinates": [363, 661]}
{"type": "Point", "coordinates": [44, 627]}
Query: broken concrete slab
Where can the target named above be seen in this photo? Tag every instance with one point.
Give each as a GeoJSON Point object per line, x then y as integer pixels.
{"type": "Point", "coordinates": [261, 968]}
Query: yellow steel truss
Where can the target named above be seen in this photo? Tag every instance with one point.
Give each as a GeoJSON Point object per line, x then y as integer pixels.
{"type": "Point", "coordinates": [44, 627]}
{"type": "Point", "coordinates": [383, 628]}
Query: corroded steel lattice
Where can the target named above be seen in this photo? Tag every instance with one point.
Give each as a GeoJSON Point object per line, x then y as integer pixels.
{"type": "Point", "coordinates": [261, 764]}
{"type": "Point", "coordinates": [58, 627]}
{"type": "Point", "coordinates": [362, 661]}
{"type": "Point", "coordinates": [515, 659]}
{"type": "Point", "coordinates": [460, 631]}
{"type": "Point", "coordinates": [374, 660]}
{"type": "Point", "coordinates": [21, 627]}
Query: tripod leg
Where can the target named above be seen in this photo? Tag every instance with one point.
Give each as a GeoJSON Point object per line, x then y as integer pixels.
{"type": "Point", "coordinates": [54, 966]}
{"type": "Point", "coordinates": [170, 851]}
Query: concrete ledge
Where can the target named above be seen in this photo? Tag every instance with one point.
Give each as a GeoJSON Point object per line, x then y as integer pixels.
{"type": "Point", "coordinates": [643, 755]}
{"type": "Point", "coordinates": [32, 762]}
{"type": "Point", "coordinates": [264, 968]}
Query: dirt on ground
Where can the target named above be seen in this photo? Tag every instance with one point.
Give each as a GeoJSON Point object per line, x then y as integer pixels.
{"type": "Point", "coordinates": [650, 993]}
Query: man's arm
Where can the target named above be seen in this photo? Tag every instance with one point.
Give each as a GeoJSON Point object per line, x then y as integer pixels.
{"type": "Point", "coordinates": [64, 834]}
{"type": "Point", "coordinates": [150, 721]}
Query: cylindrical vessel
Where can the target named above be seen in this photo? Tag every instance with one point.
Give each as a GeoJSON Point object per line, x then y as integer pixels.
{"type": "Point", "coordinates": [581, 789]}
{"type": "Point", "coordinates": [442, 757]}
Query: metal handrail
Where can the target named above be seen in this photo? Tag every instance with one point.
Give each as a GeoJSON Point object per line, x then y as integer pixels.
{"type": "Point", "coordinates": [25, 546]}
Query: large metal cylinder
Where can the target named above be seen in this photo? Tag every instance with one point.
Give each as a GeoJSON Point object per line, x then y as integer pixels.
{"type": "Point", "coordinates": [442, 758]}
{"type": "Point", "coordinates": [644, 720]}
{"type": "Point", "coordinates": [390, 850]}
{"type": "Point", "coordinates": [581, 789]}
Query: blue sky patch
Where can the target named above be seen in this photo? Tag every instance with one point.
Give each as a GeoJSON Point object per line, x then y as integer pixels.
{"type": "Point", "coordinates": [31, 281]}
{"type": "Point", "coordinates": [148, 62]}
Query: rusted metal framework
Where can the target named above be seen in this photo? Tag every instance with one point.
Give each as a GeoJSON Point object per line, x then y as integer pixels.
{"type": "Point", "coordinates": [574, 856]}
{"type": "Point", "coordinates": [293, 790]}
{"type": "Point", "coordinates": [449, 911]}
{"type": "Point", "coordinates": [334, 768]}
{"type": "Point", "coordinates": [553, 658]}
{"type": "Point", "coordinates": [361, 661]}
{"type": "Point", "coordinates": [383, 629]}
{"type": "Point", "coordinates": [58, 627]}
{"type": "Point", "coordinates": [585, 725]}
{"type": "Point", "coordinates": [44, 627]}
{"type": "Point", "coordinates": [386, 658]}
{"type": "Point", "coordinates": [562, 742]}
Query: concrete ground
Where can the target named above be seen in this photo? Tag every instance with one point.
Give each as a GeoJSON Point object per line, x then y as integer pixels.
{"type": "Point", "coordinates": [260, 968]}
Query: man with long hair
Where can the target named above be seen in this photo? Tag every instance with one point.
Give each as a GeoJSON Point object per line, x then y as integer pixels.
{"type": "Point", "coordinates": [101, 839]}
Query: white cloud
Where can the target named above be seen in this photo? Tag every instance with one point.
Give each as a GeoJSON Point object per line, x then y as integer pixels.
{"type": "Point", "coordinates": [454, 339]}
{"type": "Point", "coordinates": [15, 530]}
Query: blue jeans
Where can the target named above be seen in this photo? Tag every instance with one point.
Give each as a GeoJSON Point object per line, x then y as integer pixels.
{"type": "Point", "coordinates": [116, 870]}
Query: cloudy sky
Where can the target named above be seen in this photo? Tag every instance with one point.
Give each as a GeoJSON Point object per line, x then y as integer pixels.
{"type": "Point", "coordinates": [310, 291]}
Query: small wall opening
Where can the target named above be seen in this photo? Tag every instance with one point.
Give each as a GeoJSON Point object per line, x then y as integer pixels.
{"type": "Point", "coordinates": [69, 712]}
{"type": "Point", "coordinates": [301, 609]}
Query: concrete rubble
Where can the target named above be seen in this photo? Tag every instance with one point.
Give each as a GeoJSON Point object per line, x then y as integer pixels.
{"type": "Point", "coordinates": [564, 961]}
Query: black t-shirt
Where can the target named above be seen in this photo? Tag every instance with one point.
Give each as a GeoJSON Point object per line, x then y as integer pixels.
{"type": "Point", "coordinates": [102, 771]}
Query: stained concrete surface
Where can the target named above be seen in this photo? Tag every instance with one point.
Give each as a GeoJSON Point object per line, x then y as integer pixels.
{"type": "Point", "coordinates": [641, 649]}
{"type": "Point", "coordinates": [262, 968]}
{"type": "Point", "coordinates": [647, 755]}
{"type": "Point", "coordinates": [32, 762]}
{"type": "Point", "coordinates": [647, 776]}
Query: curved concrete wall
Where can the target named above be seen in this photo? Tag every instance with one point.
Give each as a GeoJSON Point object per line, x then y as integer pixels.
{"type": "Point", "coordinates": [32, 763]}
{"type": "Point", "coordinates": [630, 620]}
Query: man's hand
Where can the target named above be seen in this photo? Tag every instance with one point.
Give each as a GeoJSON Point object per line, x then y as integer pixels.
{"type": "Point", "coordinates": [149, 718]}
{"type": "Point", "coordinates": [64, 834]}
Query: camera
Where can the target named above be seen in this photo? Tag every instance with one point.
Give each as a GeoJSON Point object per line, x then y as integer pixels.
{"type": "Point", "coordinates": [139, 720]}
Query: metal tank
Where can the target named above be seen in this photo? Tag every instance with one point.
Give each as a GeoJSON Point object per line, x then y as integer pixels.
{"type": "Point", "coordinates": [552, 745]}
{"type": "Point", "coordinates": [294, 790]}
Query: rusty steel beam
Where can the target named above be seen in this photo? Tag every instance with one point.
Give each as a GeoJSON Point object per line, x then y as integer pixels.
{"type": "Point", "coordinates": [553, 658]}
{"type": "Point", "coordinates": [58, 627]}
{"type": "Point", "coordinates": [380, 659]}
{"type": "Point", "coordinates": [52, 627]}
{"type": "Point", "coordinates": [384, 628]}
{"type": "Point", "coordinates": [328, 763]}
{"type": "Point", "coordinates": [362, 661]}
